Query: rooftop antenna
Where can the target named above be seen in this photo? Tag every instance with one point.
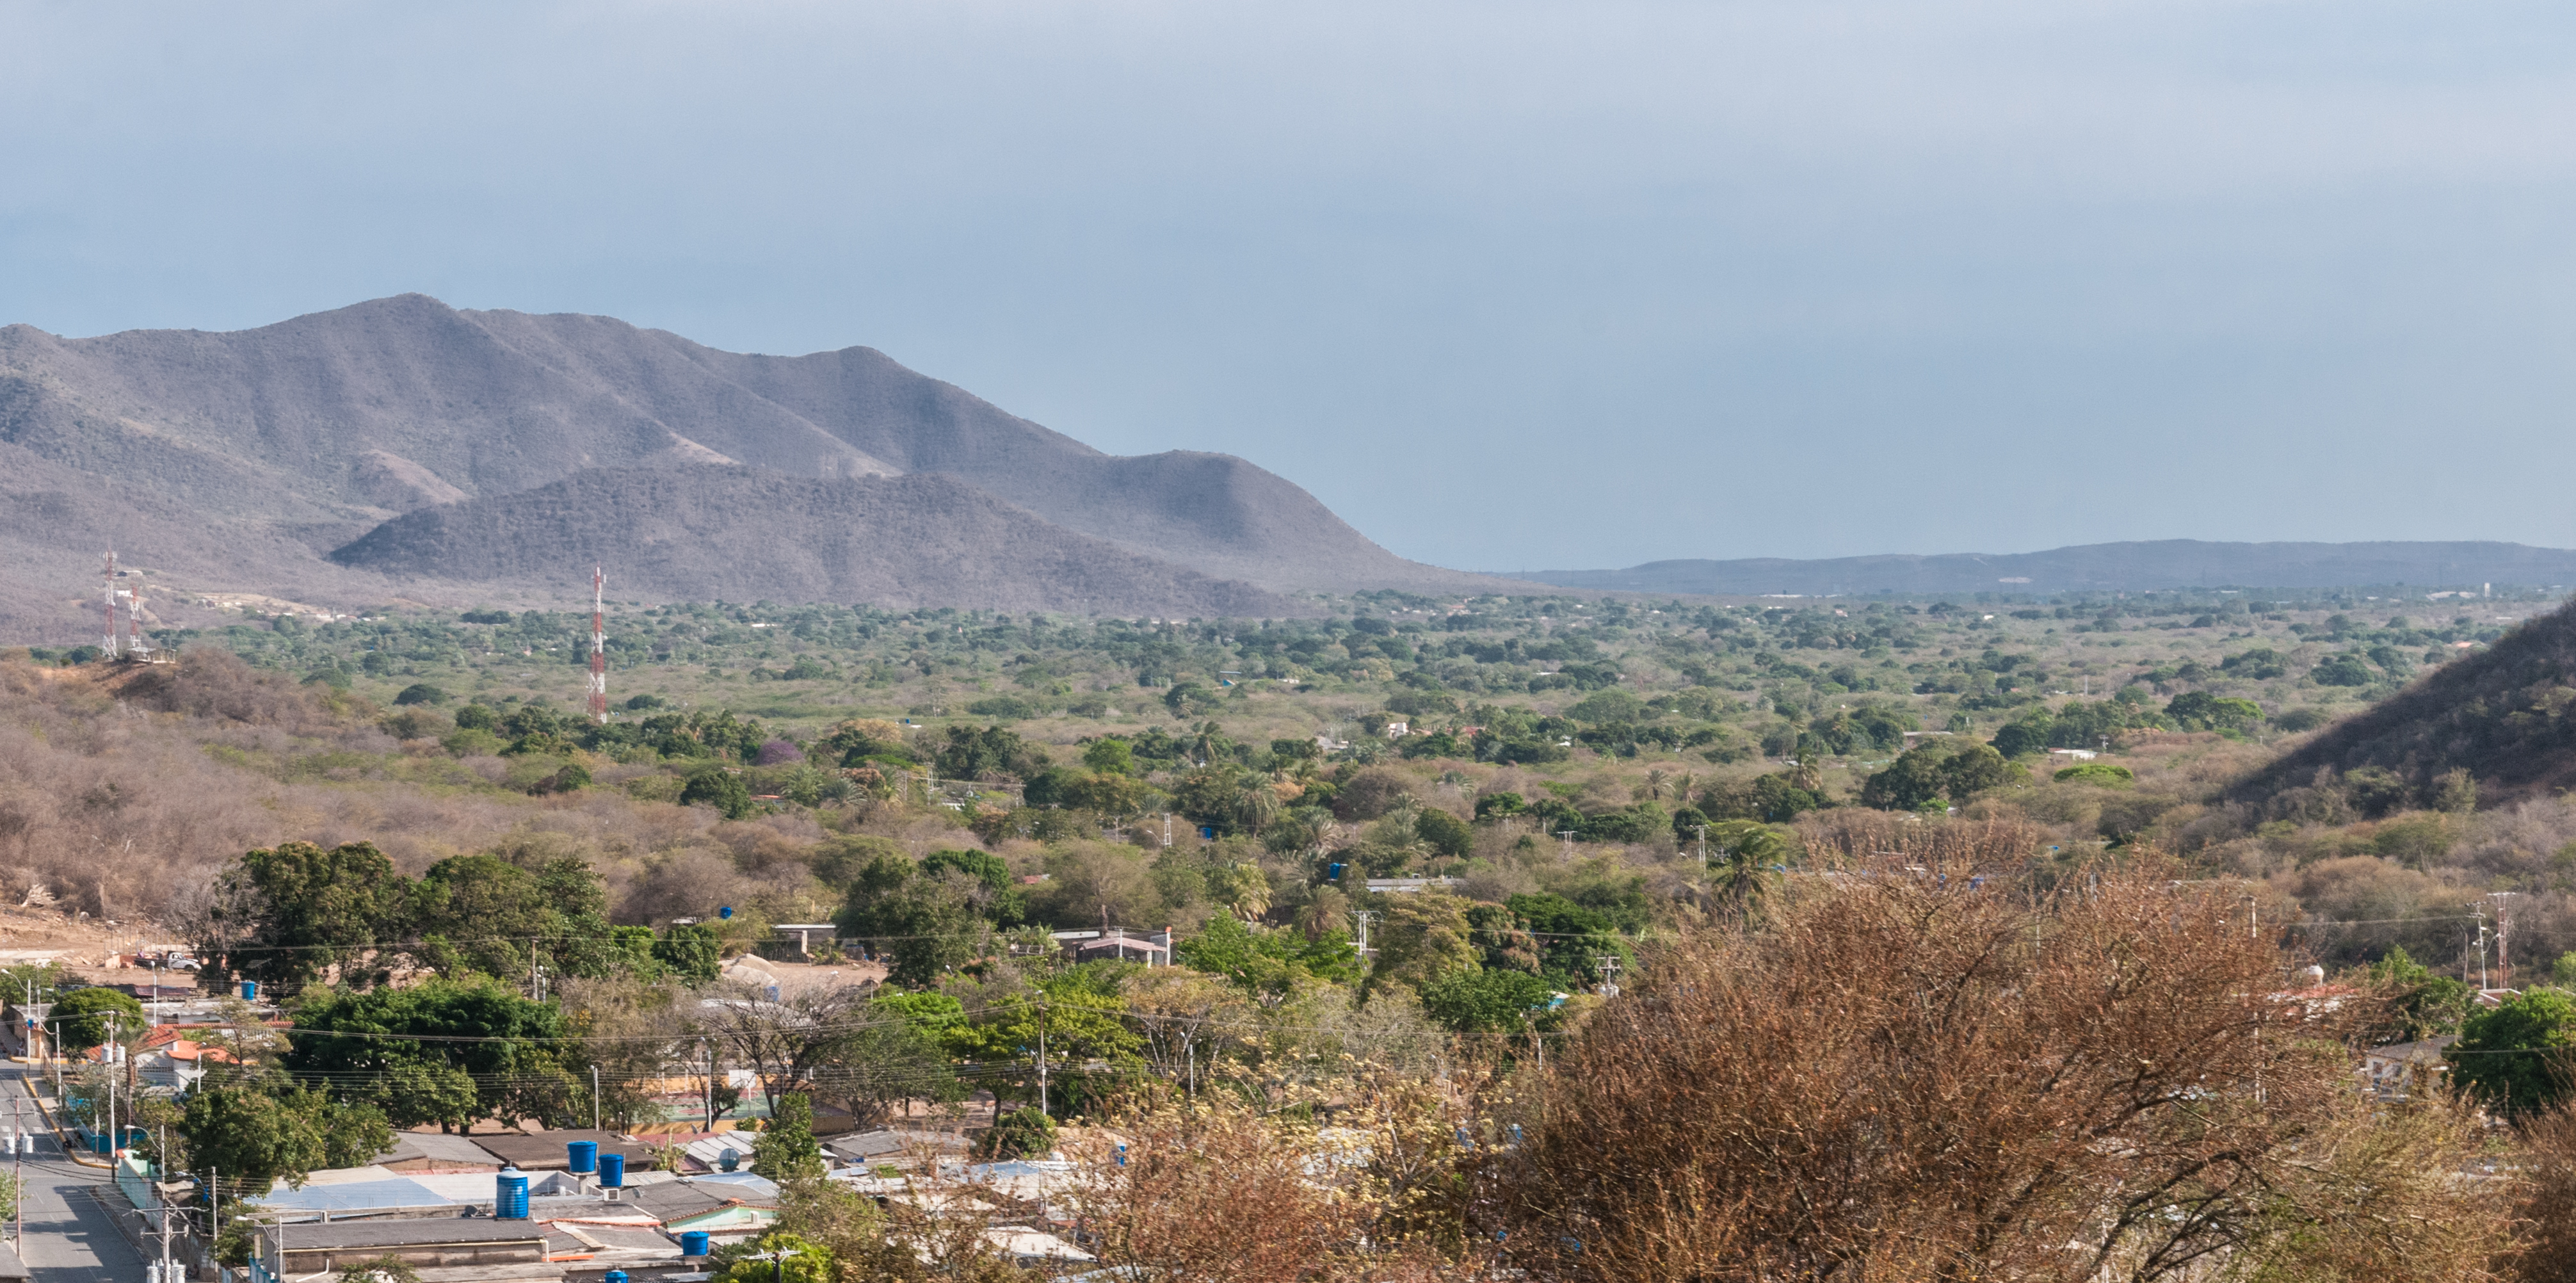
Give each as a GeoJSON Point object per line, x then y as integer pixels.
{"type": "Point", "coordinates": [108, 647]}
{"type": "Point", "coordinates": [598, 648]}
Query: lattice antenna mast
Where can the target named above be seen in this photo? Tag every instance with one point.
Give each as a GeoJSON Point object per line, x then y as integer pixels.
{"type": "Point", "coordinates": [598, 647]}
{"type": "Point", "coordinates": [135, 646]}
{"type": "Point", "coordinates": [108, 646]}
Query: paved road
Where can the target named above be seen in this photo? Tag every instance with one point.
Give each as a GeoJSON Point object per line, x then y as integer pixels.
{"type": "Point", "coordinates": [70, 1236]}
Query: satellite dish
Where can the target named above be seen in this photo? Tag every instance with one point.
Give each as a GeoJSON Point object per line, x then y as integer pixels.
{"type": "Point", "coordinates": [726, 913]}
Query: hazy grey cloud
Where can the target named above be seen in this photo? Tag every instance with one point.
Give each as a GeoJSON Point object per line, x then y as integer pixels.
{"type": "Point", "coordinates": [1507, 284]}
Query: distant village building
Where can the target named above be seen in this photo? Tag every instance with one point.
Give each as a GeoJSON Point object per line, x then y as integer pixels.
{"type": "Point", "coordinates": [1407, 886]}
{"type": "Point", "coordinates": [2399, 1070]}
{"type": "Point", "coordinates": [1153, 950]}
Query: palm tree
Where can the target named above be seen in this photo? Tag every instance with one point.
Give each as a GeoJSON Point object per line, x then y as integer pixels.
{"type": "Point", "coordinates": [1247, 891]}
{"type": "Point", "coordinates": [1809, 770]}
{"type": "Point", "coordinates": [1747, 866]}
{"type": "Point", "coordinates": [1256, 806]}
{"type": "Point", "coordinates": [1654, 786]}
{"type": "Point", "coordinates": [1328, 909]}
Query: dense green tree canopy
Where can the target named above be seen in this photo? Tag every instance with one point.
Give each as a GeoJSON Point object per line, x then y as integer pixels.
{"type": "Point", "coordinates": [448, 1052]}
{"type": "Point", "coordinates": [2513, 1057]}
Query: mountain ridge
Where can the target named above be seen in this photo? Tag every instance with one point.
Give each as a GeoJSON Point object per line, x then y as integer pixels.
{"type": "Point", "coordinates": [259, 451]}
{"type": "Point", "coordinates": [2132, 566]}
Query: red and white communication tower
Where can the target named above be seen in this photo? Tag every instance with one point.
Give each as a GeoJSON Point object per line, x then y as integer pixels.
{"type": "Point", "coordinates": [598, 648]}
{"type": "Point", "coordinates": [108, 647]}
{"type": "Point", "coordinates": [135, 645]}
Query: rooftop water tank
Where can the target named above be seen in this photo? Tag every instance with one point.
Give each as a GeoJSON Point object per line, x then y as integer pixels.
{"type": "Point", "coordinates": [583, 1156]}
{"type": "Point", "coordinates": [612, 1170]}
{"type": "Point", "coordinates": [693, 1243]}
{"type": "Point", "coordinates": [510, 1198]}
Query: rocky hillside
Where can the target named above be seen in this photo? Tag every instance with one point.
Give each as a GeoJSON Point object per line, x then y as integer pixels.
{"type": "Point", "coordinates": [738, 534]}
{"type": "Point", "coordinates": [2502, 715]}
{"type": "Point", "coordinates": [238, 460]}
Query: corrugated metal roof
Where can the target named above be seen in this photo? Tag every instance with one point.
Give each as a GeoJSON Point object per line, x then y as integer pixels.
{"type": "Point", "coordinates": [400, 1193]}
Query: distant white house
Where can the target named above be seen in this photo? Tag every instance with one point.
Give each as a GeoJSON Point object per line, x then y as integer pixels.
{"type": "Point", "coordinates": [1406, 886]}
{"type": "Point", "coordinates": [2399, 1069]}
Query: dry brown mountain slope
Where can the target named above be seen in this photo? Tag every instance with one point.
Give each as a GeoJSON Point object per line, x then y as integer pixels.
{"type": "Point", "coordinates": [723, 533]}
{"type": "Point", "coordinates": [323, 426]}
{"type": "Point", "coordinates": [2506, 715]}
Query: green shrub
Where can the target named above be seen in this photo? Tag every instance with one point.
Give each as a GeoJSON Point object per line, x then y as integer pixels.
{"type": "Point", "coordinates": [2106, 774]}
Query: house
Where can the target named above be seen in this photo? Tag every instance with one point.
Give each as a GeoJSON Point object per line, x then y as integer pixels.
{"type": "Point", "coordinates": [1407, 886]}
{"type": "Point", "coordinates": [169, 1056]}
{"type": "Point", "coordinates": [547, 1152]}
{"type": "Point", "coordinates": [1153, 950]}
{"type": "Point", "coordinates": [427, 1152]}
{"type": "Point", "coordinates": [368, 1194]}
{"type": "Point", "coordinates": [803, 933]}
{"type": "Point", "coordinates": [729, 1213]}
{"type": "Point", "coordinates": [588, 1249]}
{"type": "Point", "coordinates": [896, 1146]}
{"type": "Point", "coordinates": [1398, 730]}
{"type": "Point", "coordinates": [1034, 1249]}
{"type": "Point", "coordinates": [2059, 756]}
{"type": "Point", "coordinates": [709, 1152]}
{"type": "Point", "coordinates": [449, 1249]}
{"type": "Point", "coordinates": [2396, 1071]}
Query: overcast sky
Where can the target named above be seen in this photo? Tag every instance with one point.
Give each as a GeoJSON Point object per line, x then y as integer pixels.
{"type": "Point", "coordinates": [1508, 285]}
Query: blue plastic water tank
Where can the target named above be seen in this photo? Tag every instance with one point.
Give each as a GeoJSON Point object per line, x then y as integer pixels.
{"type": "Point", "coordinates": [583, 1156]}
{"type": "Point", "coordinates": [250, 991]}
{"type": "Point", "coordinates": [693, 1243]}
{"type": "Point", "coordinates": [613, 1276]}
{"type": "Point", "coordinates": [612, 1170]}
{"type": "Point", "coordinates": [510, 1198]}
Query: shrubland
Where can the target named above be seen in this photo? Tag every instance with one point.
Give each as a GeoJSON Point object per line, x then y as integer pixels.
{"type": "Point", "coordinates": [1944, 997]}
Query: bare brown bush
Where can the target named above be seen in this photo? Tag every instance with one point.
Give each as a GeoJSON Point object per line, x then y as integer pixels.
{"type": "Point", "coordinates": [1217, 1193]}
{"type": "Point", "coordinates": [1907, 1078]}
{"type": "Point", "coordinates": [1856, 837]}
{"type": "Point", "coordinates": [2546, 1206]}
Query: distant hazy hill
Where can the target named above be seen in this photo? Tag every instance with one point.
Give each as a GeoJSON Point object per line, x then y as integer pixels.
{"type": "Point", "coordinates": [2130, 567]}
{"type": "Point", "coordinates": [240, 459]}
{"type": "Point", "coordinates": [2507, 715]}
{"type": "Point", "coordinates": [735, 534]}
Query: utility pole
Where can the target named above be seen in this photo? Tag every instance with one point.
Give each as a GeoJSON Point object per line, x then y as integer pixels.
{"type": "Point", "coordinates": [1703, 843]}
{"type": "Point", "coordinates": [1042, 1065]}
{"type": "Point", "coordinates": [2478, 909]}
{"type": "Point", "coordinates": [1362, 916]}
{"type": "Point", "coordinates": [1568, 835]}
{"type": "Point", "coordinates": [594, 1098]}
{"type": "Point", "coordinates": [108, 1053]}
{"type": "Point", "coordinates": [710, 1052]}
{"type": "Point", "coordinates": [1608, 965]}
{"type": "Point", "coordinates": [2503, 934]}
